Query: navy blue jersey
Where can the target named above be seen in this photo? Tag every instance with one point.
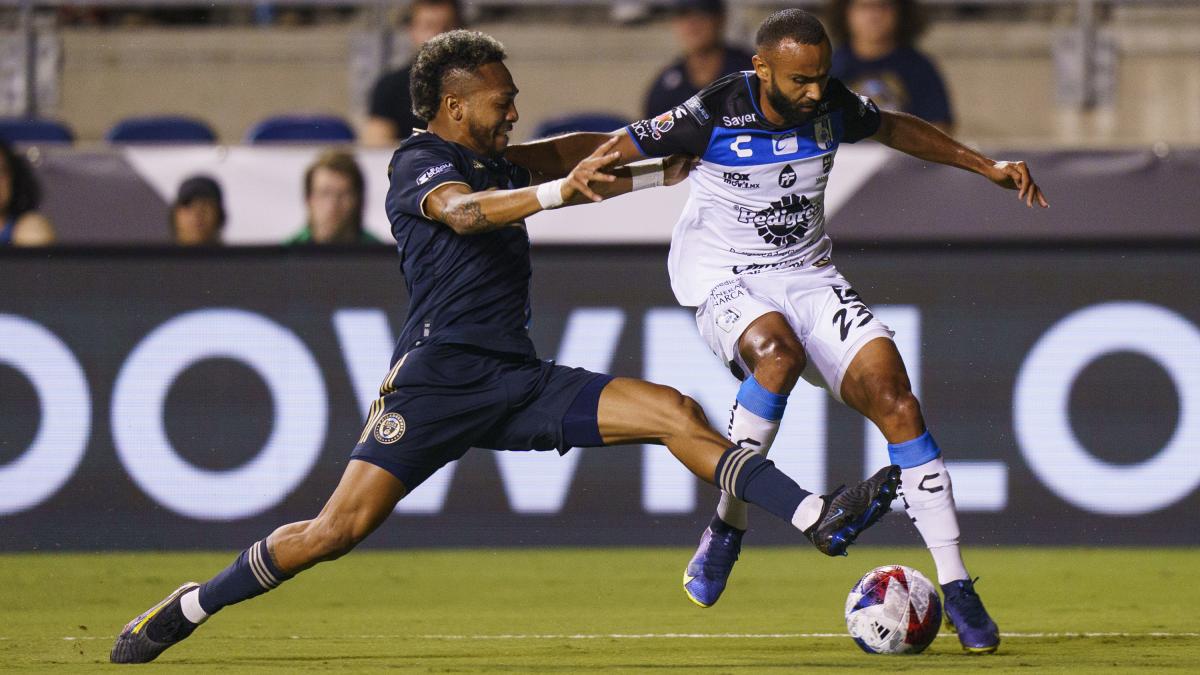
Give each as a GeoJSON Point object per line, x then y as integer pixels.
{"type": "Point", "coordinates": [903, 80]}
{"type": "Point", "coordinates": [463, 289]}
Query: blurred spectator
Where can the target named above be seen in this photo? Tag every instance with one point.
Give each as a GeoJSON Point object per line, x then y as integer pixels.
{"type": "Point", "coordinates": [876, 58]}
{"type": "Point", "coordinates": [20, 195]}
{"type": "Point", "coordinates": [198, 214]}
{"type": "Point", "coordinates": [391, 117]}
{"type": "Point", "coordinates": [699, 27]}
{"type": "Point", "coordinates": [333, 196]}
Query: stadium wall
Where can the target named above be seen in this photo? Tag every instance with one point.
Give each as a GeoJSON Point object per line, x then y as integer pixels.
{"type": "Point", "coordinates": [166, 399]}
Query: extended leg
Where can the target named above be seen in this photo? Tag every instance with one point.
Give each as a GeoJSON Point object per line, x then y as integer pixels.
{"type": "Point", "coordinates": [876, 384]}
{"type": "Point", "coordinates": [633, 411]}
{"type": "Point", "coordinates": [364, 498]}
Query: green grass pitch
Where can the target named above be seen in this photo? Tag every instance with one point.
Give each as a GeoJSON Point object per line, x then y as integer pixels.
{"type": "Point", "coordinates": [615, 610]}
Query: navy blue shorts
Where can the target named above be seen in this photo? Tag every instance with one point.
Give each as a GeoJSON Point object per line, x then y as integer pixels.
{"type": "Point", "coordinates": [440, 400]}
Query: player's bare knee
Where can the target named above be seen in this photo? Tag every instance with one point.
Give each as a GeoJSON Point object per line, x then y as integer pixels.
{"type": "Point", "coordinates": [898, 406]}
{"type": "Point", "coordinates": [684, 415]}
{"type": "Point", "coordinates": [778, 357]}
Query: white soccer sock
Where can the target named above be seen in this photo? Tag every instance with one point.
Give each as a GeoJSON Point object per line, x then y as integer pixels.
{"type": "Point", "coordinates": [751, 431]}
{"type": "Point", "coordinates": [808, 512]}
{"type": "Point", "coordinates": [929, 499]}
{"type": "Point", "coordinates": [192, 611]}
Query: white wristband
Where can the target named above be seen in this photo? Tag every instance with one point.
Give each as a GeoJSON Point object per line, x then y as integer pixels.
{"type": "Point", "coordinates": [549, 195]}
{"type": "Point", "coordinates": [647, 174]}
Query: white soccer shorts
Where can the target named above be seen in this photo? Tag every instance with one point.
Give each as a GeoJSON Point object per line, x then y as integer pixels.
{"type": "Point", "coordinates": [828, 316]}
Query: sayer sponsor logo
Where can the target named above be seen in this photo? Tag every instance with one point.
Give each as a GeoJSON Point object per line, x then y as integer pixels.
{"type": "Point", "coordinates": [784, 222]}
{"type": "Point", "coordinates": [785, 144]}
{"type": "Point", "coordinates": [739, 120]}
{"type": "Point", "coordinates": [738, 180]}
{"type": "Point", "coordinates": [433, 171]}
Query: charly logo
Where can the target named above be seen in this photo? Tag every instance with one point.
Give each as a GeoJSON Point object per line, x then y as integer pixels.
{"type": "Point", "coordinates": [787, 177]}
{"type": "Point", "coordinates": [784, 222]}
{"type": "Point", "coordinates": [390, 428]}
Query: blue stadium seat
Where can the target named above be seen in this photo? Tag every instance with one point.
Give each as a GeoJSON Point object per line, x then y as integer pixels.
{"type": "Point", "coordinates": [301, 129]}
{"type": "Point", "coordinates": [160, 129]}
{"type": "Point", "coordinates": [599, 122]}
{"type": "Point", "coordinates": [33, 130]}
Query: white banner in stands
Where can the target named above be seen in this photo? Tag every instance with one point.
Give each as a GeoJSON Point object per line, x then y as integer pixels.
{"type": "Point", "coordinates": [264, 194]}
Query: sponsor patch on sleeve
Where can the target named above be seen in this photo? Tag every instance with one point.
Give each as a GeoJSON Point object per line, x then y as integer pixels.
{"type": "Point", "coordinates": [428, 174]}
{"type": "Point", "coordinates": [694, 106]}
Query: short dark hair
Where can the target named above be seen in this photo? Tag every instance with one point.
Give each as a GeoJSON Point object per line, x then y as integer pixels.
{"type": "Point", "coordinates": [909, 25]}
{"type": "Point", "coordinates": [343, 163]}
{"type": "Point", "coordinates": [448, 53]}
{"type": "Point", "coordinates": [26, 192]}
{"type": "Point", "coordinates": [796, 24]}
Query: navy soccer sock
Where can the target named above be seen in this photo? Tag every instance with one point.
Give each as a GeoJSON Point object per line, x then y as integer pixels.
{"type": "Point", "coordinates": [253, 573]}
{"type": "Point", "coordinates": [753, 478]}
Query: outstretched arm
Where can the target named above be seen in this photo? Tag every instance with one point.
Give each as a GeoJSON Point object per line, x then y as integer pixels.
{"type": "Point", "coordinates": [555, 157]}
{"type": "Point", "coordinates": [591, 179]}
{"type": "Point", "coordinates": [913, 136]}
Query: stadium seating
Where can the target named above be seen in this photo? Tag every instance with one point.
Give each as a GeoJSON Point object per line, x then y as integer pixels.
{"type": "Point", "coordinates": [33, 130]}
{"type": "Point", "coordinates": [301, 128]}
{"type": "Point", "coordinates": [160, 129]}
{"type": "Point", "coordinates": [598, 122]}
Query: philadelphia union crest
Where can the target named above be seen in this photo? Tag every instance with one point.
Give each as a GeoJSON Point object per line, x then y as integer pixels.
{"type": "Point", "coordinates": [390, 428]}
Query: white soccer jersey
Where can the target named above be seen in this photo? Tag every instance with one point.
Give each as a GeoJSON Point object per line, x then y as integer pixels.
{"type": "Point", "coordinates": [757, 202]}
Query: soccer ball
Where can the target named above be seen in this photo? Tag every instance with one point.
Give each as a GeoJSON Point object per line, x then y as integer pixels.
{"type": "Point", "coordinates": [893, 610]}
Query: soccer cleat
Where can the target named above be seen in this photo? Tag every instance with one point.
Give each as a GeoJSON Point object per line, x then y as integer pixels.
{"type": "Point", "coordinates": [848, 512]}
{"type": "Point", "coordinates": [966, 616]}
{"type": "Point", "coordinates": [708, 572]}
{"type": "Point", "coordinates": [159, 627]}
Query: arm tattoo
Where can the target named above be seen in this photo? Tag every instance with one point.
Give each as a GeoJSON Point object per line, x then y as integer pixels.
{"type": "Point", "coordinates": [467, 217]}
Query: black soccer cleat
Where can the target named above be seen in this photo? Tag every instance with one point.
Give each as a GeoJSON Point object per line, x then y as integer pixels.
{"type": "Point", "coordinates": [159, 627]}
{"type": "Point", "coordinates": [848, 512]}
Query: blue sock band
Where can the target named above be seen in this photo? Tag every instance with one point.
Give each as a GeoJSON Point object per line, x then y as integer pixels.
{"type": "Point", "coordinates": [915, 452]}
{"type": "Point", "coordinates": [753, 478]}
{"type": "Point", "coordinates": [766, 404]}
{"type": "Point", "coordinates": [253, 573]}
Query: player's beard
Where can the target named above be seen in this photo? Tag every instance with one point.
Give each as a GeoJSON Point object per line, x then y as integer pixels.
{"type": "Point", "coordinates": [793, 115]}
{"type": "Point", "coordinates": [488, 136]}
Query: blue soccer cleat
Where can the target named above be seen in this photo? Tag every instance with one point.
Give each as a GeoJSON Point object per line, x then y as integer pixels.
{"type": "Point", "coordinates": [848, 512]}
{"type": "Point", "coordinates": [708, 572]}
{"type": "Point", "coordinates": [154, 630]}
{"type": "Point", "coordinates": [966, 616]}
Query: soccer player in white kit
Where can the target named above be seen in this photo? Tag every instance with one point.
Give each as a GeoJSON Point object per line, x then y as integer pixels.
{"type": "Point", "coordinates": [750, 253]}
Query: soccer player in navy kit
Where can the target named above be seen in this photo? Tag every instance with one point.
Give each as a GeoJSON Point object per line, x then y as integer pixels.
{"type": "Point", "coordinates": [750, 253]}
{"type": "Point", "coordinates": [464, 372]}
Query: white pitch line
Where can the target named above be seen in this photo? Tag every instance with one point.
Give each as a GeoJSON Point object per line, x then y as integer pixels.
{"type": "Point", "coordinates": [654, 636]}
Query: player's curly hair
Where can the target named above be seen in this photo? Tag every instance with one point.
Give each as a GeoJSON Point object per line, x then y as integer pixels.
{"type": "Point", "coordinates": [463, 51]}
{"type": "Point", "coordinates": [797, 24]}
{"type": "Point", "coordinates": [909, 25]}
